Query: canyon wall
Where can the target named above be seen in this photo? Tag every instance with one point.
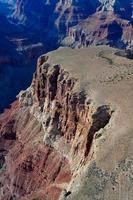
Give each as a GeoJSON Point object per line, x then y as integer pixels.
{"type": "Point", "coordinates": [47, 135]}
{"type": "Point", "coordinates": [101, 28]}
{"type": "Point", "coordinates": [29, 29]}
{"type": "Point", "coordinates": [60, 137]}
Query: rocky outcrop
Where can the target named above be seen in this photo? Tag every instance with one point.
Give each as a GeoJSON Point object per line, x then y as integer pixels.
{"type": "Point", "coordinates": [35, 27]}
{"type": "Point", "coordinates": [68, 136]}
{"type": "Point", "coordinates": [32, 169]}
{"type": "Point", "coordinates": [101, 28]}
{"type": "Point", "coordinates": [51, 20]}
{"type": "Point", "coordinates": [64, 111]}
{"type": "Point", "coordinates": [121, 7]}
{"type": "Point", "coordinates": [41, 26]}
{"type": "Point", "coordinates": [47, 135]}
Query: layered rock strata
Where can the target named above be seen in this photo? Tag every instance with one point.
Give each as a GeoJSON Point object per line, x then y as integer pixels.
{"type": "Point", "coordinates": [101, 28]}
{"type": "Point", "coordinates": [47, 135]}
{"type": "Point", "coordinates": [69, 135]}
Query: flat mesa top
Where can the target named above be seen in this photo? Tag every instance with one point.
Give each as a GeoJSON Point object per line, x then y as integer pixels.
{"type": "Point", "coordinates": [98, 70]}
{"type": "Point", "coordinates": [106, 78]}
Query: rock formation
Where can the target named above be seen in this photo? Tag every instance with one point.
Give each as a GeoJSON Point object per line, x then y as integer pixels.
{"type": "Point", "coordinates": [40, 26]}
{"type": "Point", "coordinates": [48, 22]}
{"type": "Point", "coordinates": [61, 130]}
{"type": "Point", "coordinates": [101, 28]}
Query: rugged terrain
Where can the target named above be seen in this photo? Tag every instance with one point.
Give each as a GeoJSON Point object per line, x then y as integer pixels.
{"type": "Point", "coordinates": [31, 28]}
{"type": "Point", "coordinates": [101, 28]}
{"type": "Point", "coordinates": [69, 135]}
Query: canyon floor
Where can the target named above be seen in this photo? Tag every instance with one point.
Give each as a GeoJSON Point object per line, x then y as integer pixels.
{"type": "Point", "coordinates": [69, 136]}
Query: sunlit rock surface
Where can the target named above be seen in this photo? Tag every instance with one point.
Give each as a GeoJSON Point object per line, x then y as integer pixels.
{"type": "Point", "coordinates": [31, 28]}
{"type": "Point", "coordinates": [69, 135]}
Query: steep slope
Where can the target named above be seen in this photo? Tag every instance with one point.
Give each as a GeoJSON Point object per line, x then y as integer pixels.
{"type": "Point", "coordinates": [111, 24]}
{"type": "Point", "coordinates": [31, 28]}
{"type": "Point", "coordinates": [60, 139]}
{"type": "Point", "coordinates": [102, 28]}
{"type": "Point", "coordinates": [27, 30]}
{"type": "Point", "coordinates": [121, 7]}
{"type": "Point", "coordinates": [48, 22]}
{"type": "Point", "coordinates": [51, 19]}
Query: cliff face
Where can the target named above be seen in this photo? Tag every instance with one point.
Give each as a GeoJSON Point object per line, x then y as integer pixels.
{"type": "Point", "coordinates": [40, 26]}
{"type": "Point", "coordinates": [63, 111]}
{"type": "Point", "coordinates": [101, 28]}
{"type": "Point", "coordinates": [49, 21]}
{"type": "Point", "coordinates": [35, 27]}
{"type": "Point", "coordinates": [121, 7]}
{"type": "Point", "coordinates": [31, 169]}
{"type": "Point", "coordinates": [47, 135]}
{"type": "Point", "coordinates": [53, 134]}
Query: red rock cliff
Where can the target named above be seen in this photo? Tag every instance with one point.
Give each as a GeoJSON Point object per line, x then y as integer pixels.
{"type": "Point", "coordinates": [102, 28]}
{"type": "Point", "coordinates": [46, 135]}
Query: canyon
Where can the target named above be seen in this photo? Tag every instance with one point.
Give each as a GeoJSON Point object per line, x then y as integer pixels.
{"type": "Point", "coordinates": [66, 76]}
{"type": "Point", "coordinates": [69, 135]}
{"type": "Point", "coordinates": [31, 29]}
{"type": "Point", "coordinates": [101, 28]}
